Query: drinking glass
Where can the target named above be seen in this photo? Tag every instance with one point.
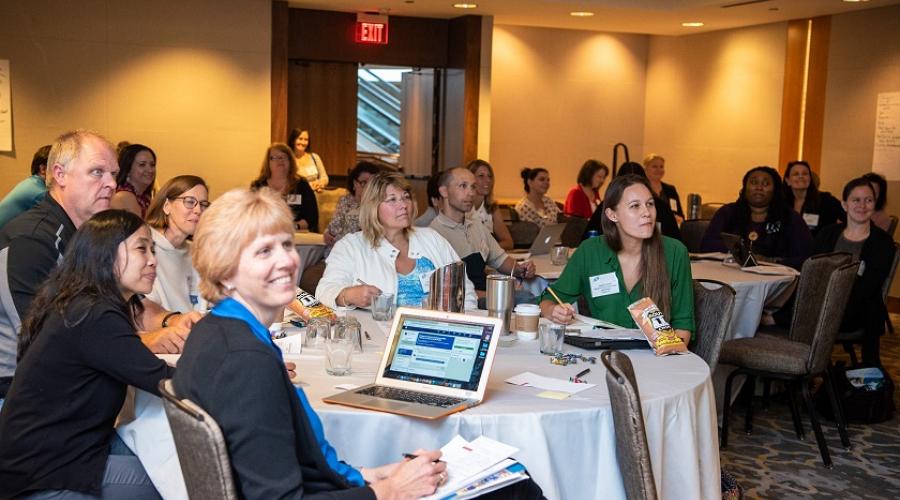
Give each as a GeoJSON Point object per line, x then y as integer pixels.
{"type": "Point", "coordinates": [317, 329]}
{"type": "Point", "coordinates": [339, 352]}
{"type": "Point", "coordinates": [383, 307]}
{"type": "Point", "coordinates": [559, 256]}
{"type": "Point", "coordinates": [348, 326]}
{"type": "Point", "coordinates": [552, 335]}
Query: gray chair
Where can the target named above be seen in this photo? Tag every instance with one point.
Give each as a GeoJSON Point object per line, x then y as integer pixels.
{"type": "Point", "coordinates": [822, 294]}
{"type": "Point", "coordinates": [632, 451]}
{"type": "Point", "coordinates": [708, 210]}
{"type": "Point", "coordinates": [523, 233]}
{"type": "Point", "coordinates": [892, 227]}
{"type": "Point", "coordinates": [571, 235]}
{"type": "Point", "coordinates": [851, 338]}
{"type": "Point", "coordinates": [692, 231]}
{"type": "Point", "coordinates": [201, 447]}
{"type": "Point", "coordinates": [713, 308]}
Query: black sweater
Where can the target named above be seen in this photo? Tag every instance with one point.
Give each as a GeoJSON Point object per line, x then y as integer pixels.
{"type": "Point", "coordinates": [57, 421]}
{"type": "Point", "coordinates": [302, 201]}
{"type": "Point", "coordinates": [865, 307]}
{"type": "Point", "coordinates": [243, 385]}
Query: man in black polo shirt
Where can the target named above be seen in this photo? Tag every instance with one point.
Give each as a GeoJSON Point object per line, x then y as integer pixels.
{"type": "Point", "coordinates": [81, 179]}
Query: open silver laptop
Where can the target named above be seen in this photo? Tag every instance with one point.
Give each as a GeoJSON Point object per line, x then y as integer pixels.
{"type": "Point", "coordinates": [435, 363]}
{"type": "Point", "coordinates": [548, 236]}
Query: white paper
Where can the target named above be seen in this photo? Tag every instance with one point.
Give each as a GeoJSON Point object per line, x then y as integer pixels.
{"type": "Point", "coordinates": [710, 256]}
{"type": "Point", "coordinates": [770, 269]}
{"type": "Point", "coordinates": [886, 150]}
{"type": "Point", "coordinates": [6, 143]}
{"type": "Point", "coordinates": [467, 460]}
{"type": "Point", "coordinates": [529, 379]}
{"type": "Point", "coordinates": [170, 359]}
{"type": "Point", "coordinates": [587, 320]}
{"type": "Point", "coordinates": [291, 346]}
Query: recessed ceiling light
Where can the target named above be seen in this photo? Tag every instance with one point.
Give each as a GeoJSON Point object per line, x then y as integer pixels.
{"type": "Point", "coordinates": [692, 24]}
{"type": "Point", "coordinates": [465, 5]}
{"type": "Point", "coordinates": [581, 14]}
{"type": "Point", "coordinates": [856, 1]}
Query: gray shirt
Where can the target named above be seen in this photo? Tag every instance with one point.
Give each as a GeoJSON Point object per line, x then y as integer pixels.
{"type": "Point", "coordinates": [468, 237]}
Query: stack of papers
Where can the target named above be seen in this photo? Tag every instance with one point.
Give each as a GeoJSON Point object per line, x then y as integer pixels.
{"type": "Point", "coordinates": [768, 268]}
{"type": "Point", "coordinates": [477, 467]}
{"type": "Point", "coordinates": [529, 379]}
{"type": "Point", "coordinates": [587, 320]}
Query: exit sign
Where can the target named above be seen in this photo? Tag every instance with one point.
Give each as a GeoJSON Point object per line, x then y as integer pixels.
{"type": "Point", "coordinates": [371, 29]}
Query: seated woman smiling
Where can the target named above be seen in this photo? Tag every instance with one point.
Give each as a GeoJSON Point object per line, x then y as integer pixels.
{"type": "Point", "coordinates": [78, 352]}
{"type": "Point", "coordinates": [244, 252]}
{"type": "Point", "coordinates": [631, 260]}
{"type": "Point", "coordinates": [388, 255]}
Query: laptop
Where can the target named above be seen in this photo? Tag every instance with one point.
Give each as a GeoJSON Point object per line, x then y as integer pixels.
{"type": "Point", "coordinates": [736, 247]}
{"type": "Point", "coordinates": [548, 236]}
{"type": "Point", "coordinates": [435, 363]}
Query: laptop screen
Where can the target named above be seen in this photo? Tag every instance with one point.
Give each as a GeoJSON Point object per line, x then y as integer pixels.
{"type": "Point", "coordinates": [439, 352]}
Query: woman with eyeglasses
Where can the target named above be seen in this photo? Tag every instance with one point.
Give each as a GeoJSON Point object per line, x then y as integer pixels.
{"type": "Point", "coordinates": [173, 216]}
{"type": "Point", "coordinates": [388, 254]}
{"type": "Point", "coordinates": [346, 214]}
{"type": "Point", "coordinates": [279, 173]}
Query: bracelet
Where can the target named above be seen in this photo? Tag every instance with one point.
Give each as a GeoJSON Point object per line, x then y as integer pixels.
{"type": "Point", "coordinates": [165, 321]}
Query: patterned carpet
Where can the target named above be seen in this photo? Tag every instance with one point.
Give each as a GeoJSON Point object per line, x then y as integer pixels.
{"type": "Point", "coordinates": [773, 463]}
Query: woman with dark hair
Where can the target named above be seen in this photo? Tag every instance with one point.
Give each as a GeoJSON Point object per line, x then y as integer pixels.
{"type": "Point", "coordinates": [346, 214]}
{"type": "Point", "coordinates": [879, 184]}
{"type": "Point", "coordinates": [484, 209]}
{"type": "Point", "coordinates": [309, 165]}
{"type": "Point", "coordinates": [78, 352]}
{"type": "Point", "coordinates": [818, 208]}
{"type": "Point", "coordinates": [655, 166]}
{"type": "Point", "coordinates": [584, 198]}
{"type": "Point", "coordinates": [874, 249]}
{"type": "Point", "coordinates": [536, 206]}
{"type": "Point", "coordinates": [665, 219]}
{"type": "Point", "coordinates": [630, 261]}
{"type": "Point", "coordinates": [763, 219]}
{"type": "Point", "coordinates": [279, 173]}
{"type": "Point", "coordinates": [137, 174]}
{"type": "Point", "coordinates": [173, 217]}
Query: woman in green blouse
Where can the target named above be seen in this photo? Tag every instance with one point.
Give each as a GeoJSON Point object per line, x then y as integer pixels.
{"type": "Point", "coordinates": [630, 261]}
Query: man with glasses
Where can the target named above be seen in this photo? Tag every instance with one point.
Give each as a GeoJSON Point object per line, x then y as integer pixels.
{"type": "Point", "coordinates": [81, 179]}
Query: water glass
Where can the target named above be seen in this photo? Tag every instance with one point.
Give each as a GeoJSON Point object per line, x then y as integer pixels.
{"type": "Point", "coordinates": [552, 336]}
{"type": "Point", "coordinates": [559, 256]}
{"type": "Point", "coordinates": [338, 353]}
{"type": "Point", "coordinates": [317, 329]}
{"type": "Point", "coordinates": [383, 307]}
{"type": "Point", "coordinates": [348, 326]}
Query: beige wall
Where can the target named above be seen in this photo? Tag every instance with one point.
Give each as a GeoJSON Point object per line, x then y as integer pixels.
{"type": "Point", "coordinates": [559, 97]}
{"type": "Point", "coordinates": [863, 60]}
{"type": "Point", "coordinates": [714, 106]}
{"type": "Point", "coordinates": [189, 78]}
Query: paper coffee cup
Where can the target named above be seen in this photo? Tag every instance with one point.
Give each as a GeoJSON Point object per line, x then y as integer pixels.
{"type": "Point", "coordinates": [527, 318]}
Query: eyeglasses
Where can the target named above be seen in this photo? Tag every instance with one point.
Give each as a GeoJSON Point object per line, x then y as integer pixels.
{"type": "Point", "coordinates": [190, 202]}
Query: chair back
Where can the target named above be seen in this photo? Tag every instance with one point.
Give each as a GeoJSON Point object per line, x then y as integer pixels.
{"type": "Point", "coordinates": [892, 227]}
{"type": "Point", "coordinates": [810, 296]}
{"type": "Point", "coordinates": [692, 231]}
{"type": "Point", "coordinates": [200, 446]}
{"type": "Point", "coordinates": [632, 451]}
{"type": "Point", "coordinates": [707, 210]}
{"type": "Point", "coordinates": [828, 322]}
{"type": "Point", "coordinates": [886, 288]}
{"type": "Point", "coordinates": [523, 233]}
{"type": "Point", "coordinates": [713, 309]}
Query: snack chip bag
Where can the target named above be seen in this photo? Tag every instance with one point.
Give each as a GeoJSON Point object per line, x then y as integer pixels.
{"type": "Point", "coordinates": [307, 306]}
{"type": "Point", "coordinates": [659, 333]}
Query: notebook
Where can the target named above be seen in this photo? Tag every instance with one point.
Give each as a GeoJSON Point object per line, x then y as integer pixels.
{"type": "Point", "coordinates": [435, 363]}
{"type": "Point", "coordinates": [547, 237]}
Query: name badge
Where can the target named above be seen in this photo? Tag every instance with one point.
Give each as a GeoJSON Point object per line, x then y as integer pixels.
{"type": "Point", "coordinates": [604, 284]}
{"type": "Point", "coordinates": [425, 281]}
{"type": "Point", "coordinates": [811, 220]}
{"type": "Point", "coordinates": [673, 204]}
{"type": "Point", "coordinates": [295, 199]}
{"type": "Point", "coordinates": [862, 268]}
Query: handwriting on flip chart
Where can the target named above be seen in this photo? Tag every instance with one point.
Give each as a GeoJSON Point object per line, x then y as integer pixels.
{"type": "Point", "coordinates": [886, 153]}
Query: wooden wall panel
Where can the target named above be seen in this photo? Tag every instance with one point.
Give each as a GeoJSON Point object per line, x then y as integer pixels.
{"type": "Point", "coordinates": [322, 99]}
{"type": "Point", "coordinates": [318, 35]}
{"type": "Point", "coordinates": [280, 17]}
{"type": "Point", "coordinates": [815, 92]}
{"type": "Point", "coordinates": [793, 92]}
{"type": "Point", "coordinates": [465, 52]}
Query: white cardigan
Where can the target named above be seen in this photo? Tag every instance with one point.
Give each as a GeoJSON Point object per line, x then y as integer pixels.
{"type": "Point", "coordinates": [177, 283]}
{"type": "Point", "coordinates": [354, 258]}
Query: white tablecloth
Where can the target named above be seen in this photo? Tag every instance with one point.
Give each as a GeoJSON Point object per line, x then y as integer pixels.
{"type": "Point", "coordinates": [311, 247]}
{"type": "Point", "coordinates": [568, 446]}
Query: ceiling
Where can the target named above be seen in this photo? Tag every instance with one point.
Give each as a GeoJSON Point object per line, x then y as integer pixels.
{"type": "Point", "coordinates": [655, 17]}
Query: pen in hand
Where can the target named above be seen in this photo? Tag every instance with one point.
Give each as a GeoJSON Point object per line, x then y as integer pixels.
{"type": "Point", "coordinates": [413, 456]}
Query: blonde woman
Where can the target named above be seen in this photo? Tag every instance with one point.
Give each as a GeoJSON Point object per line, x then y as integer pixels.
{"type": "Point", "coordinates": [388, 254]}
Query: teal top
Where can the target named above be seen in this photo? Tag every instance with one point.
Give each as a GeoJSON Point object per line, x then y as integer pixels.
{"type": "Point", "coordinates": [410, 291]}
{"type": "Point", "coordinates": [594, 272]}
{"type": "Point", "coordinates": [21, 198]}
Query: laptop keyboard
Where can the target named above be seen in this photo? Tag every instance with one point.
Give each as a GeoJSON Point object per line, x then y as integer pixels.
{"type": "Point", "coordinates": [410, 396]}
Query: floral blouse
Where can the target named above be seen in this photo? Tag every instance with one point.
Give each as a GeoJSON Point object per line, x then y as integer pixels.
{"type": "Point", "coordinates": [541, 216]}
{"type": "Point", "coordinates": [346, 217]}
{"type": "Point", "coordinates": [143, 199]}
